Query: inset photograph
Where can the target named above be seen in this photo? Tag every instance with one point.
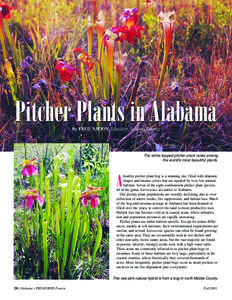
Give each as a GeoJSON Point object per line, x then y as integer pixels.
{"type": "Point", "coordinates": [61, 211]}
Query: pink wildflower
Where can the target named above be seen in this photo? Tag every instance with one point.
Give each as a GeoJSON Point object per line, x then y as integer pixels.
{"type": "Point", "coordinates": [29, 167]}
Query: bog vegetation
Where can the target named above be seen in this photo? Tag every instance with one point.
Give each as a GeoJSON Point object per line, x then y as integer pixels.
{"type": "Point", "coordinates": [61, 211]}
{"type": "Point", "coordinates": [117, 53]}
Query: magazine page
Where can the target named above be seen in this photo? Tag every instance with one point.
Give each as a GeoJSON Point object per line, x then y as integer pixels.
{"type": "Point", "coordinates": [116, 140]}
{"type": "Point", "coordinates": [177, 243]}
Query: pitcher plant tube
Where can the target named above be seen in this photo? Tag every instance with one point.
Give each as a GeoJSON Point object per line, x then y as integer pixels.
{"type": "Point", "coordinates": [168, 29]}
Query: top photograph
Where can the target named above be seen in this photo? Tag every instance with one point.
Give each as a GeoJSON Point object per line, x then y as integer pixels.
{"type": "Point", "coordinates": [139, 75]}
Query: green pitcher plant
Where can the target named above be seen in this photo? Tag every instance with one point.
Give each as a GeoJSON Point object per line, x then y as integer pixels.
{"type": "Point", "coordinates": [60, 215]}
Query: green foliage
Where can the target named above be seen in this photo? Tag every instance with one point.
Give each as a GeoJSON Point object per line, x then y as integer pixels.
{"type": "Point", "coordinates": [45, 249]}
{"type": "Point", "coordinates": [27, 237]}
{"type": "Point", "coordinates": [152, 26]}
{"type": "Point", "coordinates": [68, 217]}
{"type": "Point", "coordinates": [97, 241]}
{"type": "Point", "coordinates": [88, 155]}
{"type": "Point", "coordinates": [62, 231]}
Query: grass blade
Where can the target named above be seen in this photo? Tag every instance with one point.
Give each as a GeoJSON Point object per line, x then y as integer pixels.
{"type": "Point", "coordinates": [68, 215]}
{"type": "Point", "coordinates": [45, 249]}
{"type": "Point", "coordinates": [97, 241]}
